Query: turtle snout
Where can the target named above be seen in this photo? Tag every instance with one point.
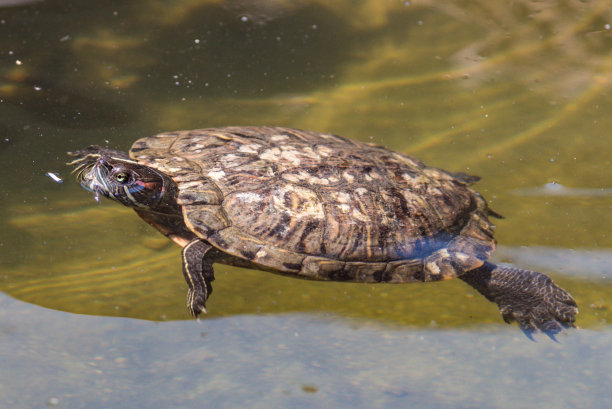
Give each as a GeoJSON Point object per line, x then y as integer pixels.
{"type": "Point", "coordinates": [95, 179]}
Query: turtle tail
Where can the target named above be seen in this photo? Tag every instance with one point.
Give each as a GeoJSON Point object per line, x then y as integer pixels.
{"type": "Point", "coordinates": [527, 297]}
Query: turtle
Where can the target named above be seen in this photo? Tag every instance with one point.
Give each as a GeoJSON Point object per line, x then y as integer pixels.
{"type": "Point", "coordinates": [317, 206]}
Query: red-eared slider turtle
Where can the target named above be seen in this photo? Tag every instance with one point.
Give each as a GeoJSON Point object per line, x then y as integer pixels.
{"type": "Point", "coordinates": [316, 206]}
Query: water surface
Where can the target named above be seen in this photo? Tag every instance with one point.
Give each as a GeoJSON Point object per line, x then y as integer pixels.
{"type": "Point", "coordinates": [516, 93]}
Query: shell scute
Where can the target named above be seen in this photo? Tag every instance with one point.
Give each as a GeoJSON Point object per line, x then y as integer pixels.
{"type": "Point", "coordinates": [205, 220]}
{"type": "Point", "coordinates": [265, 256]}
{"type": "Point", "coordinates": [196, 192]}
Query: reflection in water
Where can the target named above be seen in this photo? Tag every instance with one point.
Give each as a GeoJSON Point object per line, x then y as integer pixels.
{"type": "Point", "coordinates": [589, 264]}
{"type": "Point", "coordinates": [557, 189]}
{"type": "Point", "coordinates": [291, 360]}
{"type": "Point", "coordinates": [522, 36]}
{"type": "Point", "coordinates": [59, 106]}
{"type": "Point", "coordinates": [15, 3]}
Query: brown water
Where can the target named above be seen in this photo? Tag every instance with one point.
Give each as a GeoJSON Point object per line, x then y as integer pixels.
{"type": "Point", "coordinates": [518, 93]}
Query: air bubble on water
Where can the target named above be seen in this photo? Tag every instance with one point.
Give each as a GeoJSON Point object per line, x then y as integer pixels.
{"type": "Point", "coordinates": [553, 186]}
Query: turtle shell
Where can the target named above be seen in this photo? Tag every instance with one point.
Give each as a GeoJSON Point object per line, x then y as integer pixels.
{"type": "Point", "coordinates": [321, 206]}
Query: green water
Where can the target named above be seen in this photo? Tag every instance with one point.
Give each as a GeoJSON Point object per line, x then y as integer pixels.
{"type": "Point", "coordinates": [518, 93]}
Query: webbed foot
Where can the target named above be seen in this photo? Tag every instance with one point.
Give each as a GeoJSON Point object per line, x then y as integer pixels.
{"type": "Point", "coordinates": [527, 297]}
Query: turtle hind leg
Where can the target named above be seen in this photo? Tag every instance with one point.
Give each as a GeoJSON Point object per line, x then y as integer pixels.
{"type": "Point", "coordinates": [527, 297]}
{"type": "Point", "coordinates": [198, 273]}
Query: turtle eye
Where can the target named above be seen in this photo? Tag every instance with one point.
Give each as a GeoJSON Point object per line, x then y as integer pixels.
{"type": "Point", "coordinates": [122, 177]}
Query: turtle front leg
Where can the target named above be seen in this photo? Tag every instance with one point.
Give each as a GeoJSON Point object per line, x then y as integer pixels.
{"type": "Point", "coordinates": [198, 272]}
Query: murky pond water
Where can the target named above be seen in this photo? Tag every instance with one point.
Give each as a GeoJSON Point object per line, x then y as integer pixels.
{"type": "Point", "coordinates": [518, 93]}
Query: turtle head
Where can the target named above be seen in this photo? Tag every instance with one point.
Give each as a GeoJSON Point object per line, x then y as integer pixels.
{"type": "Point", "coordinates": [114, 175]}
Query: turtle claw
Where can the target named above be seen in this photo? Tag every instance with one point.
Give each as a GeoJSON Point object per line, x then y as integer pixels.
{"type": "Point", "coordinates": [548, 317]}
{"type": "Point", "coordinates": [527, 297]}
{"type": "Point", "coordinates": [549, 328]}
{"type": "Point", "coordinates": [196, 303]}
{"type": "Point", "coordinates": [541, 307]}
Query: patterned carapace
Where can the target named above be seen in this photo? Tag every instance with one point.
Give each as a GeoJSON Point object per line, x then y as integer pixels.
{"type": "Point", "coordinates": [316, 204]}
